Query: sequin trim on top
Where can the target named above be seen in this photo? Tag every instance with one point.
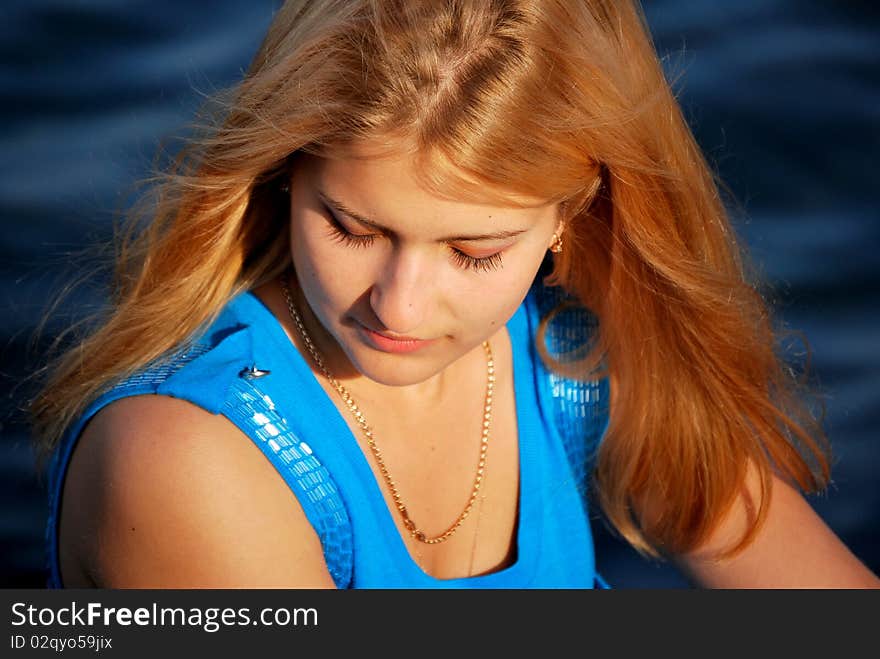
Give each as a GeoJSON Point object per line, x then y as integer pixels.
{"type": "Point", "coordinates": [580, 407]}
{"type": "Point", "coordinates": [313, 485]}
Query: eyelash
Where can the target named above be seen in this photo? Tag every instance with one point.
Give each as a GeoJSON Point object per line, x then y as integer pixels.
{"type": "Point", "coordinates": [485, 264]}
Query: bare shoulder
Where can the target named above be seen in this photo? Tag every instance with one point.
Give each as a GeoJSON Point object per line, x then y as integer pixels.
{"type": "Point", "coordinates": [163, 494]}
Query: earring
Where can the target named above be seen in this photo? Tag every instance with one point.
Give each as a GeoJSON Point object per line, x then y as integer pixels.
{"type": "Point", "coordinates": [556, 245]}
{"type": "Point", "coordinates": [285, 188]}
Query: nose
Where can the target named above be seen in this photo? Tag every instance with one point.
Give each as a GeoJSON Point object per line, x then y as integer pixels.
{"type": "Point", "coordinates": [399, 297]}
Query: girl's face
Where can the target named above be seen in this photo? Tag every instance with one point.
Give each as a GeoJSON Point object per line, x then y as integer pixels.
{"type": "Point", "coordinates": [375, 253]}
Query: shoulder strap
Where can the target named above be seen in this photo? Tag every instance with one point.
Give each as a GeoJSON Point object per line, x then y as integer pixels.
{"type": "Point", "coordinates": [314, 487]}
{"type": "Point", "coordinates": [579, 407]}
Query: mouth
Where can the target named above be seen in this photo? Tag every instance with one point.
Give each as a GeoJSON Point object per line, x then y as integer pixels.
{"type": "Point", "coordinates": [387, 343]}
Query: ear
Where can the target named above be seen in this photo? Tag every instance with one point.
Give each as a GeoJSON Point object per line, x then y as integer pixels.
{"type": "Point", "coordinates": [561, 215]}
{"type": "Point", "coordinates": [556, 241]}
{"type": "Point", "coordinates": [559, 231]}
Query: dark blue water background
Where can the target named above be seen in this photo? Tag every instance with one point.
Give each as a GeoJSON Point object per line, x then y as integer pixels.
{"type": "Point", "coordinates": [783, 96]}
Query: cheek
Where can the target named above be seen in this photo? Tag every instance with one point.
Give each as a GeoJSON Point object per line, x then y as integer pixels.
{"type": "Point", "coordinates": [508, 293]}
{"type": "Point", "coordinates": [327, 275]}
{"type": "Point", "coordinates": [487, 307]}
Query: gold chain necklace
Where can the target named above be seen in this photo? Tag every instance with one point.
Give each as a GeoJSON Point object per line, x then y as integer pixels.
{"type": "Point", "coordinates": [368, 432]}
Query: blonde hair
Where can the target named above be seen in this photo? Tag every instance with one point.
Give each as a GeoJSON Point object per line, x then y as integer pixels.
{"type": "Point", "coordinates": [560, 100]}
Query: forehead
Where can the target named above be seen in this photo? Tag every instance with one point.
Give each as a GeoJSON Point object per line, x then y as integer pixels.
{"type": "Point", "coordinates": [383, 183]}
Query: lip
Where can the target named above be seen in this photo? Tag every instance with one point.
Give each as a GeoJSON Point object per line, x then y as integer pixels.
{"type": "Point", "coordinates": [387, 344]}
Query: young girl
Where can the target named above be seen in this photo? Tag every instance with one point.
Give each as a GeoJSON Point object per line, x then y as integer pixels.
{"type": "Point", "coordinates": [439, 266]}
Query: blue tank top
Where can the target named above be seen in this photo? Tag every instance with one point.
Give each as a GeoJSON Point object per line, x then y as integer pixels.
{"type": "Point", "coordinates": [289, 416]}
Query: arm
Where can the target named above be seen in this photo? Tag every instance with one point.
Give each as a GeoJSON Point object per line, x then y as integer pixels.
{"type": "Point", "coordinates": [794, 548]}
{"type": "Point", "coordinates": [175, 497]}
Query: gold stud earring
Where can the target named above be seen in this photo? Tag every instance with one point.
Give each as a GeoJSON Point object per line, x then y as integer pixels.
{"type": "Point", "coordinates": [556, 245]}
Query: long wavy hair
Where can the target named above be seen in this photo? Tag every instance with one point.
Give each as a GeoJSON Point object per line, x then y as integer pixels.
{"type": "Point", "coordinates": [564, 100]}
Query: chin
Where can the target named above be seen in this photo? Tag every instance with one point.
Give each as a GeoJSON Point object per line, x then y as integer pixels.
{"type": "Point", "coordinates": [394, 370]}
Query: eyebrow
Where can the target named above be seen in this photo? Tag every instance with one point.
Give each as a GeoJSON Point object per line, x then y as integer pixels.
{"type": "Point", "coordinates": [341, 208]}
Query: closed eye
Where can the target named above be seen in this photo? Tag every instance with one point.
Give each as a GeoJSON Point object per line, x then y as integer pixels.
{"type": "Point", "coordinates": [463, 260]}
{"type": "Point", "coordinates": [346, 237]}
{"type": "Point", "coordinates": [484, 263]}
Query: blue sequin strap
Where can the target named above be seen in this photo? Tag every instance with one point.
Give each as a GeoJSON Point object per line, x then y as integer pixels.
{"type": "Point", "coordinates": [254, 412]}
{"type": "Point", "coordinates": [579, 407]}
